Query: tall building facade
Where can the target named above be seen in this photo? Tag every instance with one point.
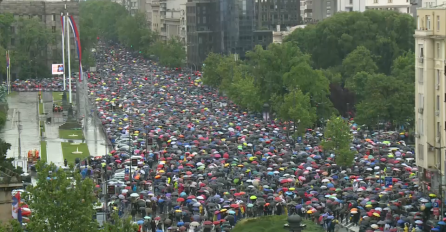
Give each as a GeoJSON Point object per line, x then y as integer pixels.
{"type": "Point", "coordinates": [270, 13]}
{"type": "Point", "coordinates": [168, 18]}
{"type": "Point", "coordinates": [321, 9]}
{"type": "Point", "coordinates": [228, 27]}
{"type": "Point", "coordinates": [49, 13]}
{"type": "Point", "coordinates": [430, 92]}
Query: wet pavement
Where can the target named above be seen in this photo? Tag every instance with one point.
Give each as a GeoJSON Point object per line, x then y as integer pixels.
{"type": "Point", "coordinates": [94, 136]}
{"type": "Point", "coordinates": [24, 104]}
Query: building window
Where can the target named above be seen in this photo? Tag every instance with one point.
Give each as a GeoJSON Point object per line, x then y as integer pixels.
{"type": "Point", "coordinates": [12, 28]}
{"type": "Point", "coordinates": [420, 153]}
{"type": "Point", "coordinates": [438, 79]}
{"type": "Point", "coordinates": [328, 3]}
{"type": "Point", "coordinates": [12, 42]}
{"type": "Point", "coordinates": [420, 126]}
{"type": "Point", "coordinates": [421, 100]}
{"type": "Point", "coordinates": [54, 17]}
{"type": "Point", "coordinates": [438, 23]}
{"type": "Point", "coordinates": [389, 1]}
{"type": "Point", "coordinates": [328, 11]}
{"type": "Point", "coordinates": [428, 22]}
{"type": "Point", "coordinates": [420, 76]}
{"type": "Point", "coordinates": [351, 2]}
{"type": "Point", "coordinates": [53, 28]}
{"type": "Point", "coordinates": [375, 1]}
{"type": "Point", "coordinates": [437, 46]}
{"type": "Point", "coordinates": [438, 102]}
{"type": "Point", "coordinates": [421, 51]}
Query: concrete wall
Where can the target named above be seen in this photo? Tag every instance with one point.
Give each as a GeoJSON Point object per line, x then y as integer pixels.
{"type": "Point", "coordinates": [5, 205]}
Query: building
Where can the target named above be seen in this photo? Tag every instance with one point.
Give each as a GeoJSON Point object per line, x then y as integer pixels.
{"type": "Point", "coordinates": [430, 92]}
{"type": "Point", "coordinates": [203, 30]}
{"type": "Point", "coordinates": [227, 27]}
{"type": "Point", "coordinates": [351, 5]}
{"type": "Point", "coordinates": [270, 13]}
{"type": "Point", "coordinates": [402, 6]}
{"type": "Point", "coordinates": [49, 13]}
{"type": "Point", "coordinates": [168, 18]}
{"type": "Point", "coordinates": [321, 9]}
{"type": "Point", "coordinates": [133, 6]}
{"type": "Point", "coordinates": [279, 35]}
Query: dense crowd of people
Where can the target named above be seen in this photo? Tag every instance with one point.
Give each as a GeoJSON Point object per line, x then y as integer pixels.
{"type": "Point", "coordinates": [187, 159]}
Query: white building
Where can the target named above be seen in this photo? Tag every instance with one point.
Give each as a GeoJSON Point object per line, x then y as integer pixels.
{"type": "Point", "coordinates": [279, 35]}
{"type": "Point", "coordinates": [132, 6]}
{"type": "Point", "coordinates": [430, 92]}
{"type": "Point", "coordinates": [351, 5]}
{"type": "Point", "coordinates": [402, 6]}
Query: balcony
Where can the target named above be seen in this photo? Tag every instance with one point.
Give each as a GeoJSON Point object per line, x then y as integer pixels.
{"type": "Point", "coordinates": [423, 32]}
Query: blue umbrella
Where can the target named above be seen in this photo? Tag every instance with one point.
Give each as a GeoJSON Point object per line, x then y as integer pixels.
{"type": "Point", "coordinates": [140, 222]}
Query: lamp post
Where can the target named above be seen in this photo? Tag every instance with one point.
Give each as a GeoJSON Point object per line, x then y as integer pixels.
{"type": "Point", "coordinates": [266, 112]}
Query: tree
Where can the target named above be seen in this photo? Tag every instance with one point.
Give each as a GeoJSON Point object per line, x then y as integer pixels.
{"type": "Point", "coordinates": [295, 106]}
{"type": "Point", "coordinates": [6, 162]}
{"type": "Point", "coordinates": [170, 53]}
{"type": "Point", "coordinates": [60, 204]}
{"type": "Point", "coordinates": [6, 21]}
{"type": "Point", "coordinates": [212, 76]}
{"type": "Point", "coordinates": [244, 92]}
{"type": "Point", "coordinates": [338, 138]}
{"type": "Point", "coordinates": [118, 224]}
{"type": "Point", "coordinates": [11, 226]}
{"type": "Point", "coordinates": [33, 38]}
{"type": "Point", "coordinates": [330, 41]}
{"type": "Point", "coordinates": [359, 60]}
{"type": "Point", "coordinates": [388, 98]}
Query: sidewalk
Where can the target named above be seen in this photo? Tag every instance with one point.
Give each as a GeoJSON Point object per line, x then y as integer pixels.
{"type": "Point", "coordinates": [27, 104]}
{"type": "Point", "coordinates": [53, 147]}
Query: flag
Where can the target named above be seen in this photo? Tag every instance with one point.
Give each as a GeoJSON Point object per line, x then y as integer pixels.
{"type": "Point", "coordinates": [19, 210]}
{"type": "Point", "coordinates": [7, 59]}
{"type": "Point", "coordinates": [77, 41]}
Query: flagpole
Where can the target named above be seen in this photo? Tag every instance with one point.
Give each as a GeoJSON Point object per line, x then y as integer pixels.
{"type": "Point", "coordinates": [8, 74]}
{"type": "Point", "coordinates": [69, 58]}
{"type": "Point", "coordinates": [63, 49]}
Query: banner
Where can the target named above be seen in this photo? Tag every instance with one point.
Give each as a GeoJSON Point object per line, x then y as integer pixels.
{"type": "Point", "coordinates": [57, 69]}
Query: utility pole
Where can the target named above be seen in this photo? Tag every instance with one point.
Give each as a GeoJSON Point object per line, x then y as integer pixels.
{"type": "Point", "coordinates": [19, 128]}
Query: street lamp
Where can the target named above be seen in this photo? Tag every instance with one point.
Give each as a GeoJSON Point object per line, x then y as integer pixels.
{"type": "Point", "coordinates": [266, 112]}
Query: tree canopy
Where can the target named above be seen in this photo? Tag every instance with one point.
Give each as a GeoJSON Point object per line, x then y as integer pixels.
{"type": "Point", "coordinates": [370, 55]}
{"type": "Point", "coordinates": [62, 201]}
{"type": "Point", "coordinates": [337, 139]}
{"type": "Point", "coordinates": [280, 75]}
{"type": "Point", "coordinates": [115, 24]}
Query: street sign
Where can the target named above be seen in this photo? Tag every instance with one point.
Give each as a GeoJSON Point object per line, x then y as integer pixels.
{"type": "Point", "coordinates": [127, 170]}
{"type": "Point", "coordinates": [388, 181]}
{"type": "Point", "coordinates": [435, 204]}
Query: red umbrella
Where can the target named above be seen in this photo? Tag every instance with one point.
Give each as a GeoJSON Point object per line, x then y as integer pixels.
{"type": "Point", "coordinates": [191, 197]}
{"type": "Point", "coordinates": [180, 199]}
{"type": "Point", "coordinates": [207, 223]}
{"type": "Point", "coordinates": [234, 205]}
{"type": "Point", "coordinates": [308, 203]}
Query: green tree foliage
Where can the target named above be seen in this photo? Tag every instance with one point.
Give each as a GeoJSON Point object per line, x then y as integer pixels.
{"type": "Point", "coordinates": [6, 162]}
{"type": "Point", "coordinates": [338, 138]}
{"type": "Point", "coordinates": [11, 226]}
{"type": "Point", "coordinates": [353, 48]}
{"type": "Point", "coordinates": [359, 60]}
{"type": "Point", "coordinates": [280, 75]}
{"type": "Point", "coordinates": [6, 20]}
{"type": "Point", "coordinates": [32, 39]}
{"type": "Point", "coordinates": [60, 203]}
{"type": "Point", "coordinates": [295, 106]}
{"type": "Point", "coordinates": [387, 34]}
{"type": "Point", "coordinates": [170, 53]}
{"type": "Point", "coordinates": [119, 225]}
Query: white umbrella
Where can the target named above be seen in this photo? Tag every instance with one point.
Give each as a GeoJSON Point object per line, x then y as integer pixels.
{"type": "Point", "coordinates": [134, 195]}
